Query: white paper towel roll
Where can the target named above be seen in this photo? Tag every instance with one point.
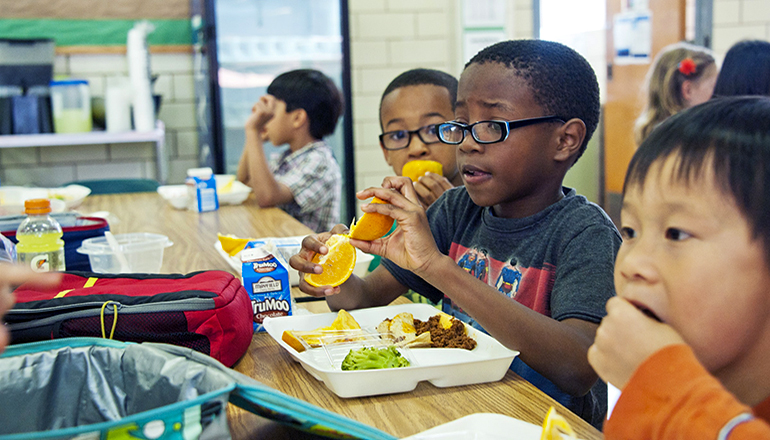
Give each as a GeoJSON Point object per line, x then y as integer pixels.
{"type": "Point", "coordinates": [139, 73]}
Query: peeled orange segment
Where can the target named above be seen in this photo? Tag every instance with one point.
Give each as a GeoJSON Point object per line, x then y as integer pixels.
{"type": "Point", "coordinates": [556, 427]}
{"type": "Point", "coordinates": [371, 225]}
{"type": "Point", "coordinates": [337, 264]}
{"type": "Point", "coordinates": [417, 168]}
{"type": "Point", "coordinates": [231, 244]}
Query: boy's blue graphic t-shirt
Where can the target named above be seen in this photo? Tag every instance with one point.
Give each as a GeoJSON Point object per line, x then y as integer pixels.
{"type": "Point", "coordinates": [558, 262]}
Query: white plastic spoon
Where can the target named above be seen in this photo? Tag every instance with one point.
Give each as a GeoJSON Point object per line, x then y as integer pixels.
{"type": "Point", "coordinates": [122, 260]}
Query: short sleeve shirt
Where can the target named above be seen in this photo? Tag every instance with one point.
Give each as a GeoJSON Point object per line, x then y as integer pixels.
{"type": "Point", "coordinates": [313, 176]}
{"type": "Point", "coordinates": [558, 262]}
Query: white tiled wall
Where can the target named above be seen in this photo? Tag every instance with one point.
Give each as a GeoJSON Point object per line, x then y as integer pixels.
{"type": "Point", "coordinates": [387, 38]}
{"type": "Point", "coordinates": [735, 20]}
{"type": "Point", "coordinates": [391, 36]}
{"type": "Point", "coordinates": [53, 166]}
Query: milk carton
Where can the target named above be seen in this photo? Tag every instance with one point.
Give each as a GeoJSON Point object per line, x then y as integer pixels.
{"type": "Point", "coordinates": [202, 189]}
{"type": "Point", "coordinates": [266, 279]}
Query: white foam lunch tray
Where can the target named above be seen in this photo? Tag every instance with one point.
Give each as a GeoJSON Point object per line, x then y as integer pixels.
{"type": "Point", "coordinates": [442, 367]}
{"type": "Point", "coordinates": [480, 426]}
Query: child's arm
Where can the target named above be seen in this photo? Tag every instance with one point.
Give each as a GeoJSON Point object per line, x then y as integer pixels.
{"type": "Point", "coordinates": [253, 169]}
{"type": "Point", "coordinates": [378, 288]}
{"type": "Point", "coordinates": [667, 393]}
{"type": "Point", "coordinates": [556, 349]}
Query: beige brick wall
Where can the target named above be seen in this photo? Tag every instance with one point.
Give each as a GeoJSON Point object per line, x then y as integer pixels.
{"type": "Point", "coordinates": [53, 166]}
{"type": "Point", "coordinates": [735, 20]}
{"type": "Point", "coordinates": [391, 36]}
{"type": "Point", "coordinates": [387, 38]}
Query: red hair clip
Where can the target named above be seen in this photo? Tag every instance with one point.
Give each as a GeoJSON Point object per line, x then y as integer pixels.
{"type": "Point", "coordinates": [687, 67]}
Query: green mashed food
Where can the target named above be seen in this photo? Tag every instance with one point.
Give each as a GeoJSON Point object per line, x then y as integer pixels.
{"type": "Point", "coordinates": [371, 358]}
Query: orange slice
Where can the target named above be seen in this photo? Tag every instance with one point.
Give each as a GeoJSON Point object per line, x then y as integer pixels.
{"type": "Point", "coordinates": [337, 264]}
{"type": "Point", "coordinates": [556, 427]}
{"type": "Point", "coordinates": [290, 338]}
{"type": "Point", "coordinates": [232, 244]}
{"type": "Point", "coordinates": [371, 225]}
{"type": "Point", "coordinates": [417, 168]}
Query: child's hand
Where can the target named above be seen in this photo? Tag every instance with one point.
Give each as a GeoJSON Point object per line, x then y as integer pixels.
{"type": "Point", "coordinates": [430, 187]}
{"type": "Point", "coordinates": [301, 262]}
{"type": "Point", "coordinates": [261, 113]}
{"type": "Point", "coordinates": [11, 276]}
{"type": "Point", "coordinates": [411, 245]}
{"type": "Point", "coordinates": [625, 338]}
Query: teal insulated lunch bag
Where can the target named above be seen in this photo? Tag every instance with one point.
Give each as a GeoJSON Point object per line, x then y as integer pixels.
{"type": "Point", "coordinates": [100, 389]}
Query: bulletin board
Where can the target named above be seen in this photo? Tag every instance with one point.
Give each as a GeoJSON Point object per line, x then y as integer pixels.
{"type": "Point", "coordinates": [98, 26]}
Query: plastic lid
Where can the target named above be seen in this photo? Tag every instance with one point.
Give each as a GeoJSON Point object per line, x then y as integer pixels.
{"type": "Point", "coordinates": [200, 172]}
{"type": "Point", "coordinates": [37, 206]}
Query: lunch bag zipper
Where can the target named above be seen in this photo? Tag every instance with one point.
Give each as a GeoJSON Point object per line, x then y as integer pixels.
{"type": "Point", "coordinates": [94, 309]}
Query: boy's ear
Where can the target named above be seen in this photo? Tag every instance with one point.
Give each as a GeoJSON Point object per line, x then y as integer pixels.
{"type": "Point", "coordinates": [570, 138]}
{"type": "Point", "coordinates": [299, 117]}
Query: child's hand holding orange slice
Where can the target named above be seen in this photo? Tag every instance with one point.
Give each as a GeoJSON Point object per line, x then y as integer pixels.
{"type": "Point", "coordinates": [339, 262]}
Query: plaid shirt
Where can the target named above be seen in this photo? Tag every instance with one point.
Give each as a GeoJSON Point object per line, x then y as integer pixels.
{"type": "Point", "coordinates": [313, 176]}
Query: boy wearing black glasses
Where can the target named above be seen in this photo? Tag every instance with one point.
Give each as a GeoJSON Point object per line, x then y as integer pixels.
{"type": "Point", "coordinates": [512, 207]}
{"type": "Point", "coordinates": [411, 108]}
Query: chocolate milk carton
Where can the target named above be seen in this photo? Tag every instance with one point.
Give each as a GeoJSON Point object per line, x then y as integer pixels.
{"type": "Point", "coordinates": [266, 279]}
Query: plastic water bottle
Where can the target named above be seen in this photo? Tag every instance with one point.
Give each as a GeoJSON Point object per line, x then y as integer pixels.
{"type": "Point", "coordinates": [40, 238]}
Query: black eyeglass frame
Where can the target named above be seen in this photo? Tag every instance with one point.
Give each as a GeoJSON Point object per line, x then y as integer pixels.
{"type": "Point", "coordinates": [507, 127]}
{"type": "Point", "coordinates": [409, 140]}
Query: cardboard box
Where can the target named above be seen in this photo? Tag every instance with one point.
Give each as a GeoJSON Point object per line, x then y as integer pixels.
{"type": "Point", "coordinates": [266, 279]}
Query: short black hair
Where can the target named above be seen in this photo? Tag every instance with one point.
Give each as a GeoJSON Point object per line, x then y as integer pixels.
{"type": "Point", "coordinates": [745, 70]}
{"type": "Point", "coordinates": [419, 77]}
{"type": "Point", "coordinates": [313, 92]}
{"type": "Point", "coordinates": [730, 136]}
{"type": "Point", "coordinates": [562, 81]}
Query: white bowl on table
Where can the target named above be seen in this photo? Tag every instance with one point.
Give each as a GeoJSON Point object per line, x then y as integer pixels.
{"type": "Point", "coordinates": [229, 192]}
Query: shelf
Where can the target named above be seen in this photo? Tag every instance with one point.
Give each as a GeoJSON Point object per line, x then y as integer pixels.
{"type": "Point", "coordinates": [90, 138]}
{"type": "Point", "coordinates": [156, 136]}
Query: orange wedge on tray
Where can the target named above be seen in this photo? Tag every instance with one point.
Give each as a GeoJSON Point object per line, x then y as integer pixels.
{"type": "Point", "coordinates": [556, 427]}
{"type": "Point", "coordinates": [344, 321]}
{"type": "Point", "coordinates": [231, 244]}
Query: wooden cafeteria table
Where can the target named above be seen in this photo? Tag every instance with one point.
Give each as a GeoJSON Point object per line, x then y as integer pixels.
{"type": "Point", "coordinates": [401, 415]}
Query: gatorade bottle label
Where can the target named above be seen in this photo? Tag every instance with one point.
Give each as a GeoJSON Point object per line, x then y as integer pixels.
{"type": "Point", "coordinates": [43, 261]}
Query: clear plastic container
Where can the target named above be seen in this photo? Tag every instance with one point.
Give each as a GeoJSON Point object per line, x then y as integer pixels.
{"type": "Point", "coordinates": [143, 251]}
{"type": "Point", "coordinates": [40, 238]}
{"type": "Point", "coordinates": [71, 103]}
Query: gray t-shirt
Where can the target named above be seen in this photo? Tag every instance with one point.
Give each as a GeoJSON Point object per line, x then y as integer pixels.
{"type": "Point", "coordinates": [558, 262]}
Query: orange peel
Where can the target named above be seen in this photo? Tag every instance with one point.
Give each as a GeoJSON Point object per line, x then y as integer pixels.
{"type": "Point", "coordinates": [416, 168]}
{"type": "Point", "coordinates": [556, 427]}
{"type": "Point", "coordinates": [371, 225]}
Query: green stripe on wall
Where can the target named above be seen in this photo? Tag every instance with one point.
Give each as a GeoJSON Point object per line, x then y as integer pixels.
{"type": "Point", "coordinates": [95, 32]}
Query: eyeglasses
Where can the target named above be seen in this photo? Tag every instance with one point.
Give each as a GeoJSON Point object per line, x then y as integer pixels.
{"type": "Point", "coordinates": [486, 132]}
{"type": "Point", "coordinates": [400, 139]}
